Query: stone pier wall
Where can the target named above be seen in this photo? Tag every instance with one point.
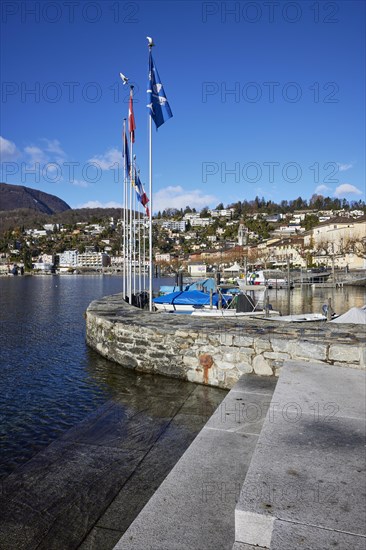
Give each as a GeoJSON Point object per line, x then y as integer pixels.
{"type": "Point", "coordinates": [215, 351]}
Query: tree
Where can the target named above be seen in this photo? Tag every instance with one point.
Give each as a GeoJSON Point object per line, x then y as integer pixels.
{"type": "Point", "coordinates": [27, 259]}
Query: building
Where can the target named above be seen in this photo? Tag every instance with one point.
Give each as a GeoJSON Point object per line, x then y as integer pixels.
{"type": "Point", "coordinates": [197, 269]}
{"type": "Point", "coordinates": [242, 234]}
{"type": "Point", "coordinates": [69, 258]}
{"type": "Point", "coordinates": [339, 241]}
{"type": "Point", "coordinates": [163, 257]}
{"type": "Point", "coordinates": [94, 260]}
{"type": "Point", "coordinates": [201, 222]}
{"type": "Point", "coordinates": [174, 225]}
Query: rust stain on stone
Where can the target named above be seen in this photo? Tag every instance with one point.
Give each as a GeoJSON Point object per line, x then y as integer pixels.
{"type": "Point", "coordinates": [206, 362]}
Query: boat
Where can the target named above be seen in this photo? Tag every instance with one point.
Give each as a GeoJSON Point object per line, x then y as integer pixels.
{"type": "Point", "coordinates": [201, 284]}
{"type": "Point", "coordinates": [279, 284]}
{"type": "Point", "coordinates": [208, 313]}
{"type": "Point", "coordinates": [242, 305]}
{"type": "Point", "coordinates": [189, 300]}
{"type": "Point", "coordinates": [355, 315]}
{"type": "Point", "coordinates": [257, 280]}
{"type": "Point", "coordinates": [300, 318]}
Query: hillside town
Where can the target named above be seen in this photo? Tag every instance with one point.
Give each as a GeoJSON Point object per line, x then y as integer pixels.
{"type": "Point", "coordinates": [196, 242]}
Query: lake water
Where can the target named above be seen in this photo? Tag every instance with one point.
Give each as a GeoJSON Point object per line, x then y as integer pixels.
{"type": "Point", "coordinates": [50, 380]}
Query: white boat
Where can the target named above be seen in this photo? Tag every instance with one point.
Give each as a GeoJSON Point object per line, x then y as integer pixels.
{"type": "Point", "coordinates": [300, 318]}
{"type": "Point", "coordinates": [243, 285]}
{"type": "Point", "coordinates": [190, 300]}
{"type": "Point", "coordinates": [233, 313]}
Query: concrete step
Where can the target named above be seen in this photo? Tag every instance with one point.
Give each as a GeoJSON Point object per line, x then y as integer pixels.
{"type": "Point", "coordinates": [306, 485]}
{"type": "Point", "coordinates": [194, 506]}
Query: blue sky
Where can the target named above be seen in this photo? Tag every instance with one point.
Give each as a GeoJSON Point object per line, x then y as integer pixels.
{"type": "Point", "coordinates": [267, 99]}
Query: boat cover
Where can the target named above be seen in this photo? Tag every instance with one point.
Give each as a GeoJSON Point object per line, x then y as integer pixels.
{"type": "Point", "coordinates": [189, 297]}
{"type": "Point", "coordinates": [208, 284]}
{"type": "Point", "coordinates": [355, 315]}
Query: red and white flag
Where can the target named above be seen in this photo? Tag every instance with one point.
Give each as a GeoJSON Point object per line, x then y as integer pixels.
{"type": "Point", "coordinates": [131, 119]}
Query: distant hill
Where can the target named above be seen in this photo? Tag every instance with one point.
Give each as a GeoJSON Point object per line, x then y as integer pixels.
{"type": "Point", "coordinates": [16, 197]}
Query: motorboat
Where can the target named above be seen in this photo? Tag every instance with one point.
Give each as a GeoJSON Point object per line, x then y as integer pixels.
{"type": "Point", "coordinates": [190, 300]}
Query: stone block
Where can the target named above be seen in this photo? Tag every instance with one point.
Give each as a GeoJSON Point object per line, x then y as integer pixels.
{"type": "Point", "coordinates": [261, 366]}
{"type": "Point", "coordinates": [348, 354]}
{"type": "Point", "coordinates": [246, 353]}
{"type": "Point", "coordinates": [224, 365]}
{"type": "Point", "coordinates": [253, 528]}
{"type": "Point", "coordinates": [309, 470]}
{"type": "Point", "coordinates": [261, 345]}
{"type": "Point", "coordinates": [306, 350]}
{"type": "Point", "coordinates": [280, 345]}
{"type": "Point", "coordinates": [243, 341]}
{"type": "Point", "coordinates": [226, 339]}
{"type": "Point", "coordinates": [287, 536]}
{"type": "Point", "coordinates": [244, 368]}
{"type": "Point", "coordinates": [356, 366]}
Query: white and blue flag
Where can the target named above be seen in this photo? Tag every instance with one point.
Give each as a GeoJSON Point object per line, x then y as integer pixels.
{"type": "Point", "coordinates": [157, 103]}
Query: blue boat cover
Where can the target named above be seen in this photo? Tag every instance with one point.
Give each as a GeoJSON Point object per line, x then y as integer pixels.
{"type": "Point", "coordinates": [190, 297]}
{"type": "Point", "coordinates": [208, 284]}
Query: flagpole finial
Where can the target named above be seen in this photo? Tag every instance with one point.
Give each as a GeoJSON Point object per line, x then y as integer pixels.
{"type": "Point", "coordinates": [123, 78]}
{"type": "Point", "coordinates": [150, 41]}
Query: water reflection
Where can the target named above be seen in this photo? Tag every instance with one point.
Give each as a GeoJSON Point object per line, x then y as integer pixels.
{"type": "Point", "coordinates": [50, 379]}
{"type": "Point", "coordinates": [310, 299]}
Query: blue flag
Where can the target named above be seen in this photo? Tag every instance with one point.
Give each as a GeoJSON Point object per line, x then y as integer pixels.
{"type": "Point", "coordinates": [157, 102]}
{"type": "Point", "coordinates": [126, 154]}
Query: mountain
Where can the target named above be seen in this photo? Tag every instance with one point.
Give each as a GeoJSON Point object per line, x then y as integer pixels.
{"type": "Point", "coordinates": [15, 197]}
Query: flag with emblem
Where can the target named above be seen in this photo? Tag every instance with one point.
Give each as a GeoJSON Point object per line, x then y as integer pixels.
{"type": "Point", "coordinates": [157, 103]}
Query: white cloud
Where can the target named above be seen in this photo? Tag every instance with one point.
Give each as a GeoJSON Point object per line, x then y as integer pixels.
{"type": "Point", "coordinates": [344, 167]}
{"type": "Point", "coordinates": [36, 154]}
{"type": "Point", "coordinates": [321, 189]}
{"type": "Point", "coordinates": [346, 189]}
{"type": "Point", "coordinates": [106, 161]}
{"type": "Point", "coordinates": [53, 146]}
{"type": "Point", "coordinates": [177, 197]}
{"type": "Point", "coordinates": [8, 150]}
{"type": "Point", "coordinates": [98, 204]}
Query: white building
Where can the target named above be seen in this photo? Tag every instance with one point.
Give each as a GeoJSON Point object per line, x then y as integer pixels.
{"type": "Point", "coordinates": [69, 258]}
{"type": "Point", "coordinates": [340, 240]}
{"type": "Point", "coordinates": [162, 257]}
{"type": "Point", "coordinates": [174, 225]}
{"type": "Point", "coordinates": [201, 222]}
{"type": "Point", "coordinates": [93, 259]}
{"type": "Point", "coordinates": [197, 269]}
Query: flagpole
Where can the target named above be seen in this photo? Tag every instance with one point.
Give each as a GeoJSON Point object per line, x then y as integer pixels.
{"type": "Point", "coordinates": [123, 221]}
{"type": "Point", "coordinates": [160, 111]}
{"type": "Point", "coordinates": [139, 246]}
{"type": "Point", "coordinates": [144, 249]}
{"type": "Point", "coordinates": [150, 216]}
{"type": "Point", "coordinates": [133, 191]}
{"type": "Point", "coordinates": [131, 223]}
